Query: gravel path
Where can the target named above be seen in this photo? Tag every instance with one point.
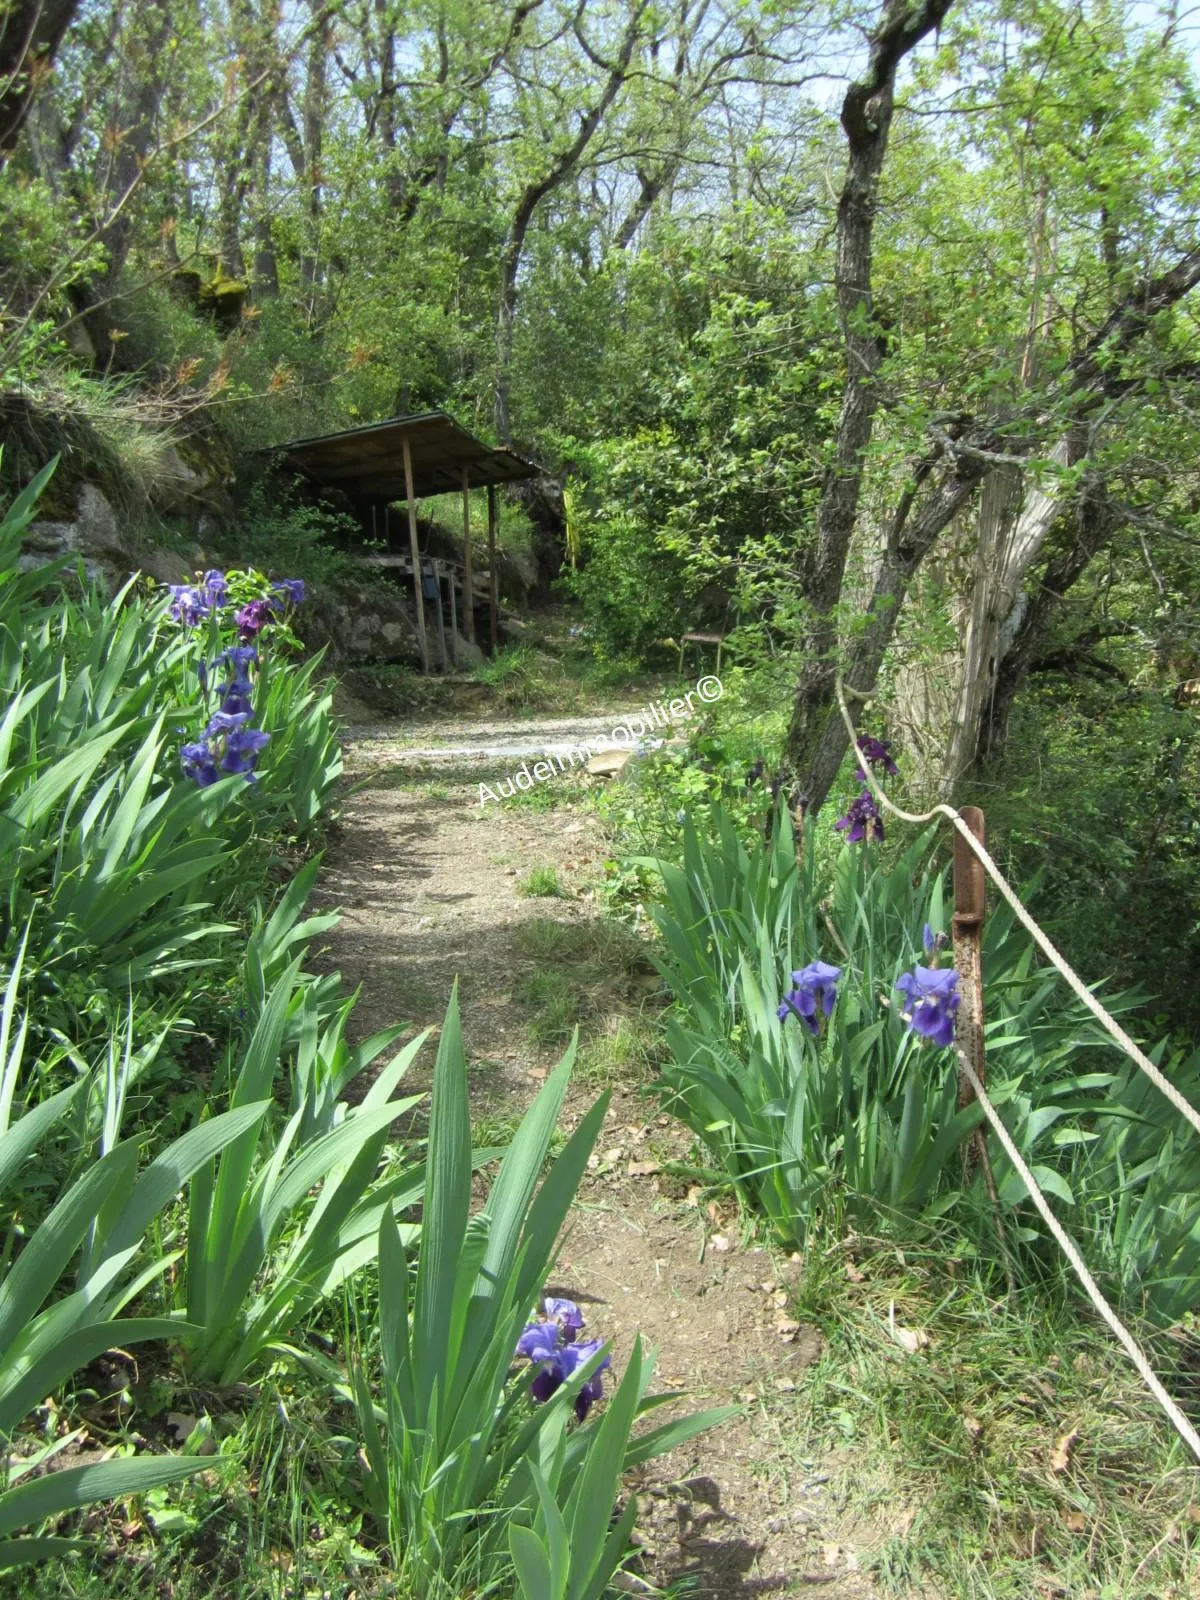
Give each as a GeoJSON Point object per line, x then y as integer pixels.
{"type": "Point", "coordinates": [428, 885]}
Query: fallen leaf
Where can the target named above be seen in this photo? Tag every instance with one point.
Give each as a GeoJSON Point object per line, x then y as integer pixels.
{"type": "Point", "coordinates": [610, 1156]}
{"type": "Point", "coordinates": [1060, 1456]}
{"type": "Point", "coordinates": [642, 1169]}
{"type": "Point", "coordinates": [692, 1198]}
{"type": "Point", "coordinates": [719, 1242]}
{"type": "Point", "coordinates": [1075, 1521]}
{"type": "Point", "coordinates": [831, 1554]}
{"type": "Point", "coordinates": [854, 1274]}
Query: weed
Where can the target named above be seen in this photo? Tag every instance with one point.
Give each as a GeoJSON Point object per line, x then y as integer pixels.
{"type": "Point", "coordinates": [542, 883]}
{"type": "Point", "coordinates": [1017, 1451]}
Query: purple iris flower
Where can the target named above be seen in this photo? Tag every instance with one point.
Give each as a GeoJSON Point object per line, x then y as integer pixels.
{"type": "Point", "coordinates": [540, 1341]}
{"type": "Point", "coordinates": [216, 590]}
{"type": "Point", "coordinates": [815, 984]}
{"type": "Point", "coordinates": [565, 1314]}
{"type": "Point", "coordinates": [241, 657]}
{"type": "Point", "coordinates": [862, 819]}
{"type": "Point", "coordinates": [236, 694]}
{"type": "Point", "coordinates": [292, 590]}
{"type": "Point", "coordinates": [188, 605]}
{"type": "Point", "coordinates": [199, 764]}
{"type": "Point", "coordinates": [877, 754]}
{"type": "Point", "coordinates": [222, 722]}
{"type": "Point", "coordinates": [574, 1356]}
{"type": "Point", "coordinates": [931, 994]}
{"type": "Point", "coordinates": [252, 618]}
{"type": "Point", "coordinates": [241, 749]}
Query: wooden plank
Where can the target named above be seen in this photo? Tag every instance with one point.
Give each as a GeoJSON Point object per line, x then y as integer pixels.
{"type": "Point", "coordinates": [493, 584]}
{"type": "Point", "coordinates": [453, 619]}
{"type": "Point", "coordinates": [468, 586]}
{"type": "Point", "coordinates": [411, 501]}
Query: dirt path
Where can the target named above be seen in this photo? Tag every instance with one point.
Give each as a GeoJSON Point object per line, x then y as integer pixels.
{"type": "Point", "coordinates": [428, 882]}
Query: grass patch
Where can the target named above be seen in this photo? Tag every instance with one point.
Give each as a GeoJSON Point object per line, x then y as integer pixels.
{"type": "Point", "coordinates": [593, 974]}
{"type": "Point", "coordinates": [542, 883]}
{"type": "Point", "coordinates": [1016, 1454]}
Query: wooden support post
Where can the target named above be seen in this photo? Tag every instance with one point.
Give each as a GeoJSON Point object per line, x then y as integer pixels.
{"type": "Point", "coordinates": [493, 581]}
{"type": "Point", "coordinates": [970, 896]}
{"type": "Point", "coordinates": [453, 617]}
{"type": "Point", "coordinates": [441, 620]}
{"type": "Point", "coordinates": [468, 577]}
{"type": "Point", "coordinates": [970, 908]}
{"type": "Point", "coordinates": [411, 500]}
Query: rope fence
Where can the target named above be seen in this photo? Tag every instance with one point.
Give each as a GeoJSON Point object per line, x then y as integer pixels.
{"type": "Point", "coordinates": [1110, 1025]}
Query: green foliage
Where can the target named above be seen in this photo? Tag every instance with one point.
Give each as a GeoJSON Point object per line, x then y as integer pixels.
{"type": "Point", "coordinates": [1098, 797]}
{"type": "Point", "coordinates": [958, 1439]}
{"type": "Point", "coordinates": [244, 1292]}
{"type": "Point", "coordinates": [460, 1469]}
{"type": "Point", "coordinates": [118, 866]}
{"type": "Point", "coordinates": [289, 535]}
{"type": "Point", "coordinates": [863, 1117]}
{"type": "Point", "coordinates": [542, 883]}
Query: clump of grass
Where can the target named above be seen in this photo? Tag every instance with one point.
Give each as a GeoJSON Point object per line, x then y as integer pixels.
{"type": "Point", "coordinates": [1016, 1451]}
{"type": "Point", "coordinates": [591, 975]}
{"type": "Point", "coordinates": [548, 795]}
{"type": "Point", "coordinates": [553, 1004]}
{"type": "Point", "coordinates": [624, 1047]}
{"type": "Point", "coordinates": [542, 883]}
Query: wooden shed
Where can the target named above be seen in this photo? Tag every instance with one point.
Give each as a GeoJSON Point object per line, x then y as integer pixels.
{"type": "Point", "coordinates": [402, 461]}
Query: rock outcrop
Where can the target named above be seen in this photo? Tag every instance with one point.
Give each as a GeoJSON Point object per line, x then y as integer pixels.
{"type": "Point", "coordinates": [361, 620]}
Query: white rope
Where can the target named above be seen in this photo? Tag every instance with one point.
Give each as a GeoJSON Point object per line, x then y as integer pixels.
{"type": "Point", "coordinates": [1074, 982]}
{"type": "Point", "coordinates": [1130, 1345]}
{"type": "Point", "coordinates": [1132, 1348]}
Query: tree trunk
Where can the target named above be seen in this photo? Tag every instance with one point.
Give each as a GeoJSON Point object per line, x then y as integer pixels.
{"type": "Point", "coordinates": [1094, 524]}
{"type": "Point", "coordinates": [31, 32]}
{"type": "Point", "coordinates": [909, 540]}
{"type": "Point", "coordinates": [1005, 552]}
{"type": "Point", "coordinates": [866, 119]}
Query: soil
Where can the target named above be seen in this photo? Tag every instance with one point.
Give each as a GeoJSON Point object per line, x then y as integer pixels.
{"type": "Point", "coordinates": [428, 884]}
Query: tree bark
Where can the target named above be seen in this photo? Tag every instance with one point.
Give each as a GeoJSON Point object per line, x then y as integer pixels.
{"type": "Point", "coordinates": [867, 120]}
{"type": "Point", "coordinates": [948, 483]}
{"type": "Point", "coordinates": [31, 32]}
{"type": "Point", "coordinates": [1001, 609]}
{"type": "Point", "coordinates": [1094, 525]}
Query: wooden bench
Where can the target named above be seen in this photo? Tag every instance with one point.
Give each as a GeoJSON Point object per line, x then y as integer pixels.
{"type": "Point", "coordinates": [702, 638]}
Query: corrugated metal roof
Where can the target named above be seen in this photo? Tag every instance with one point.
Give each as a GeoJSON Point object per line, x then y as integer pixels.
{"type": "Point", "coordinates": [368, 464]}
